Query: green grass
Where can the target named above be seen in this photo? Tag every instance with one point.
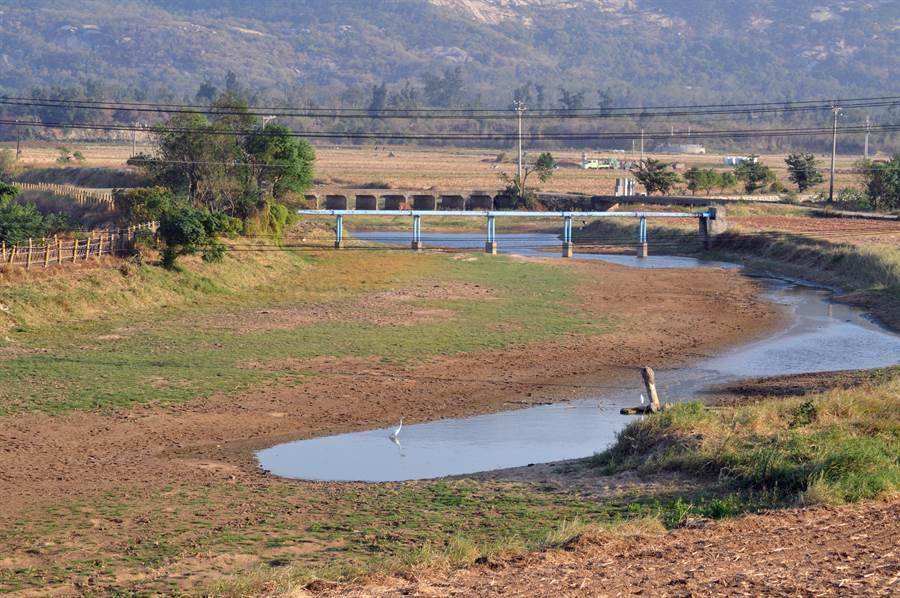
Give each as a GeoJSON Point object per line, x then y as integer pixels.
{"type": "Point", "coordinates": [840, 446]}
{"type": "Point", "coordinates": [68, 351]}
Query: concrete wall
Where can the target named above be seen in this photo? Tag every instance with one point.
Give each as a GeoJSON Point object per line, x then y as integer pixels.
{"type": "Point", "coordinates": [452, 202]}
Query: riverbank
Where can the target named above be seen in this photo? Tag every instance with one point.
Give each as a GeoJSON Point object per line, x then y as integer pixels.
{"type": "Point", "coordinates": [862, 264]}
{"type": "Point", "coordinates": [127, 458]}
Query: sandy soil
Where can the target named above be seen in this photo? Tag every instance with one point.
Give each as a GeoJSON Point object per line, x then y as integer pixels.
{"type": "Point", "coordinates": [665, 317]}
{"type": "Point", "coordinates": [848, 551]}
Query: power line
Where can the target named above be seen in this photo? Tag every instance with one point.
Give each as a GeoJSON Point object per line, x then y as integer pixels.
{"type": "Point", "coordinates": [711, 134]}
{"type": "Point", "coordinates": [455, 114]}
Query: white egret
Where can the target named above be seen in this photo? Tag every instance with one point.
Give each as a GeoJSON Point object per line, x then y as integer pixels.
{"type": "Point", "coordinates": [396, 433]}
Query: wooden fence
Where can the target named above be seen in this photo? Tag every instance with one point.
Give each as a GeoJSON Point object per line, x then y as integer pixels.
{"type": "Point", "coordinates": [81, 195]}
{"type": "Point", "coordinates": [46, 252]}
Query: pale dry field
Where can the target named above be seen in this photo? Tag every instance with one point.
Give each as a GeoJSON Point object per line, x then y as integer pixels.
{"type": "Point", "coordinates": [404, 167]}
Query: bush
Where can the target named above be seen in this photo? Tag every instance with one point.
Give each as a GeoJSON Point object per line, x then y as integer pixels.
{"type": "Point", "coordinates": [185, 230]}
{"type": "Point", "coordinates": [139, 206]}
{"type": "Point", "coordinates": [20, 222]}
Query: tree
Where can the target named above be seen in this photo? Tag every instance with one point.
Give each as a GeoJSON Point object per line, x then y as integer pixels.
{"type": "Point", "coordinates": [705, 179]}
{"type": "Point", "coordinates": [20, 222]}
{"type": "Point", "coordinates": [517, 189]}
{"type": "Point", "coordinates": [755, 174]}
{"type": "Point", "coordinates": [655, 176]}
{"type": "Point", "coordinates": [279, 162]}
{"type": "Point", "coordinates": [139, 206]}
{"type": "Point", "coordinates": [883, 183]}
{"type": "Point", "coordinates": [185, 230]}
{"type": "Point", "coordinates": [379, 99]}
{"type": "Point", "coordinates": [803, 171]}
{"type": "Point", "coordinates": [727, 180]}
{"type": "Point", "coordinates": [569, 100]}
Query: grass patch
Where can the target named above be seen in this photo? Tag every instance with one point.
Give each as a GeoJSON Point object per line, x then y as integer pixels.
{"type": "Point", "coordinates": [836, 447]}
{"type": "Point", "coordinates": [71, 352]}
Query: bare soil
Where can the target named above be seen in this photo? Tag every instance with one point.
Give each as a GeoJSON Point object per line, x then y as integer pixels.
{"type": "Point", "coordinates": [847, 551]}
{"type": "Point", "coordinates": [664, 318]}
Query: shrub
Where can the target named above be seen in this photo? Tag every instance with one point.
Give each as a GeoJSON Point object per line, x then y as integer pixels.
{"type": "Point", "coordinates": [185, 230]}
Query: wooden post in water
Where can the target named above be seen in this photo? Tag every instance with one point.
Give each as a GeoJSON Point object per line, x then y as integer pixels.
{"type": "Point", "coordinates": [650, 382]}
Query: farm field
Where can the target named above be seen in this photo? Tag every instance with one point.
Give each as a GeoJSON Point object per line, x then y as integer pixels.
{"type": "Point", "coordinates": [406, 167]}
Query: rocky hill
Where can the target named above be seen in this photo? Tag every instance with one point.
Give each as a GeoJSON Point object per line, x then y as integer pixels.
{"type": "Point", "coordinates": [630, 50]}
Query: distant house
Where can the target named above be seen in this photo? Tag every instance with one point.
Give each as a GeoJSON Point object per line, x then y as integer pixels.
{"type": "Point", "coordinates": [737, 160]}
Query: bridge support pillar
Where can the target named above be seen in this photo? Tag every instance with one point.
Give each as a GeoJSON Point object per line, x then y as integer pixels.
{"type": "Point", "coordinates": [417, 244]}
{"type": "Point", "coordinates": [643, 249]}
{"type": "Point", "coordinates": [568, 246]}
{"type": "Point", "coordinates": [339, 233]}
{"type": "Point", "coordinates": [490, 245]}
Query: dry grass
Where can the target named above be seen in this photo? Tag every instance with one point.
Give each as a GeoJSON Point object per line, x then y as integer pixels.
{"type": "Point", "coordinates": [403, 167]}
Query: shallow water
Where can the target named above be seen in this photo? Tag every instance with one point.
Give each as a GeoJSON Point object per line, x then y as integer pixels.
{"type": "Point", "coordinates": [821, 336]}
{"type": "Point", "coordinates": [534, 245]}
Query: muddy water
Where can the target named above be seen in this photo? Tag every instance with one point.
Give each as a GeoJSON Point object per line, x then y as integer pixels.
{"type": "Point", "coordinates": [821, 336]}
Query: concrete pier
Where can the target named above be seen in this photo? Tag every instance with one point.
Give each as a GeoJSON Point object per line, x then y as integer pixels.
{"type": "Point", "coordinates": [568, 249]}
{"type": "Point", "coordinates": [490, 247]}
{"type": "Point", "coordinates": [418, 245]}
{"type": "Point", "coordinates": [643, 250]}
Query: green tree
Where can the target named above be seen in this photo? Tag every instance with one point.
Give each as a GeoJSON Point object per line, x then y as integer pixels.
{"type": "Point", "coordinates": [544, 167]}
{"type": "Point", "coordinates": [20, 222]}
{"type": "Point", "coordinates": [702, 179]}
{"type": "Point", "coordinates": [139, 206]}
{"type": "Point", "coordinates": [185, 230]}
{"type": "Point", "coordinates": [883, 183]}
{"type": "Point", "coordinates": [655, 176]}
{"type": "Point", "coordinates": [803, 171]}
{"type": "Point", "coordinates": [279, 162]}
{"type": "Point", "coordinates": [754, 174]}
{"type": "Point", "coordinates": [727, 180]}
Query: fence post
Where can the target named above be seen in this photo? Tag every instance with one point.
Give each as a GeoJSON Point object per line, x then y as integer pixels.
{"type": "Point", "coordinates": [75, 252]}
{"type": "Point", "coordinates": [12, 256]}
{"type": "Point", "coordinates": [87, 251]}
{"type": "Point", "coordinates": [3, 248]}
{"type": "Point", "coordinates": [100, 247]}
{"type": "Point", "coordinates": [30, 250]}
{"type": "Point", "coordinates": [58, 251]}
{"type": "Point", "coordinates": [46, 253]}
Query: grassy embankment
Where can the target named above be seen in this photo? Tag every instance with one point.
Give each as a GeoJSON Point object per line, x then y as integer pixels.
{"type": "Point", "coordinates": [839, 446]}
{"type": "Point", "coordinates": [104, 338]}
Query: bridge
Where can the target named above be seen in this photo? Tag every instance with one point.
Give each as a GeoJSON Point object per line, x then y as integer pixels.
{"type": "Point", "coordinates": [710, 222]}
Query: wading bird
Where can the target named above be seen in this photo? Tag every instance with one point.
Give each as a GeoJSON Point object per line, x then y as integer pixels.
{"type": "Point", "coordinates": [396, 433]}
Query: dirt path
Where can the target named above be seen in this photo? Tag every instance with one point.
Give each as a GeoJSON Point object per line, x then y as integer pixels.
{"type": "Point", "coordinates": [663, 317]}
{"type": "Point", "coordinates": [848, 551]}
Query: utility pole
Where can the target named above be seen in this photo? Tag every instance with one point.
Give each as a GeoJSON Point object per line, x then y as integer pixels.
{"type": "Point", "coordinates": [520, 111]}
{"type": "Point", "coordinates": [836, 110]}
{"type": "Point", "coordinates": [133, 142]}
{"type": "Point", "coordinates": [866, 150]}
{"type": "Point", "coordinates": [18, 140]}
{"type": "Point", "coordinates": [642, 145]}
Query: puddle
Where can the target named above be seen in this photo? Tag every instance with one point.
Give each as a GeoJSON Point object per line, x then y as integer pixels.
{"type": "Point", "coordinates": [822, 336]}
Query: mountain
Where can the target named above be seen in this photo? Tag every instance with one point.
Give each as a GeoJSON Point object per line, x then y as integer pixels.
{"type": "Point", "coordinates": [634, 51]}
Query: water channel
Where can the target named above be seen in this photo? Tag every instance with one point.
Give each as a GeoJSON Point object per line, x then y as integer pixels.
{"type": "Point", "coordinates": [821, 336]}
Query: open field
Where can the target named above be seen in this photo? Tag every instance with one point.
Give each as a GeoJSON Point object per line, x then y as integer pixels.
{"type": "Point", "coordinates": [404, 167]}
{"type": "Point", "coordinates": [132, 401]}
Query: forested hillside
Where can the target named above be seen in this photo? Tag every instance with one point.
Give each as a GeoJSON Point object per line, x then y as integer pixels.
{"type": "Point", "coordinates": [630, 51]}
